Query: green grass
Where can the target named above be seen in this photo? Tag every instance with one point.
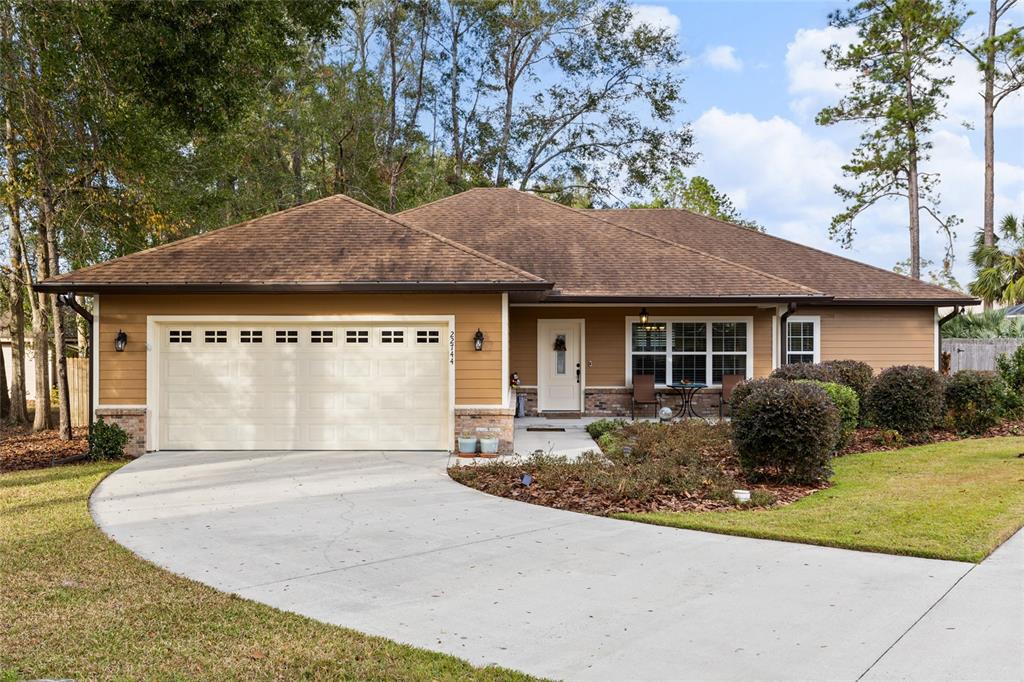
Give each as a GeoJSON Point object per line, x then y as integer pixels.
{"type": "Point", "coordinates": [958, 500]}
{"type": "Point", "coordinates": [73, 604]}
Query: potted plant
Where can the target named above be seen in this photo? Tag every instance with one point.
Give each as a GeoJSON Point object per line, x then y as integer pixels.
{"type": "Point", "coordinates": [489, 445]}
{"type": "Point", "coordinates": [467, 444]}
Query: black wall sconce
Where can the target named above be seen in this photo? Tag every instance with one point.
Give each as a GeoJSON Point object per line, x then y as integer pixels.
{"type": "Point", "coordinates": [643, 316]}
{"type": "Point", "coordinates": [120, 341]}
{"type": "Point", "coordinates": [478, 340]}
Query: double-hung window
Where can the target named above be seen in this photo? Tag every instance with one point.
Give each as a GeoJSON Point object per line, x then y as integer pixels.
{"type": "Point", "coordinates": [690, 350]}
{"type": "Point", "coordinates": [803, 340]}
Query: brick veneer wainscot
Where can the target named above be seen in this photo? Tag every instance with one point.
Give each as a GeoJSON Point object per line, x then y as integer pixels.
{"type": "Point", "coordinates": [486, 422]}
{"type": "Point", "coordinates": [133, 421]}
{"type": "Point", "coordinates": [615, 402]}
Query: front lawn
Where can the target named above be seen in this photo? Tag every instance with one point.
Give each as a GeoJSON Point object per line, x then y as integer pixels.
{"type": "Point", "coordinates": [74, 604]}
{"type": "Point", "coordinates": [955, 500]}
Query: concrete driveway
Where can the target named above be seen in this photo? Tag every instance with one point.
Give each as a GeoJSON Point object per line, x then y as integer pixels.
{"type": "Point", "coordinates": [387, 544]}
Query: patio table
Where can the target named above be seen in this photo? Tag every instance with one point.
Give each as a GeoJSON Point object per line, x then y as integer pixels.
{"type": "Point", "coordinates": [686, 394]}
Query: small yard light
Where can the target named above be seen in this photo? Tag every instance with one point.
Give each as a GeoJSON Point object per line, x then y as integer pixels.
{"type": "Point", "coordinates": [120, 341]}
{"type": "Point", "coordinates": [478, 340]}
{"type": "Point", "coordinates": [526, 479]}
{"type": "Point", "coordinates": [643, 316]}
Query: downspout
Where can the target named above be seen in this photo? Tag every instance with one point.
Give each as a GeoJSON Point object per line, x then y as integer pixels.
{"type": "Point", "coordinates": [790, 309]}
{"type": "Point", "coordinates": [68, 299]}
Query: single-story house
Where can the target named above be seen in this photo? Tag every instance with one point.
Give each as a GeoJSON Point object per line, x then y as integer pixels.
{"type": "Point", "coordinates": [334, 325]}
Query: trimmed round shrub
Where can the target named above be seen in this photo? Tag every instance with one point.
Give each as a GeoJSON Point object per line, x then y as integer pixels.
{"type": "Point", "coordinates": [853, 373]}
{"type": "Point", "coordinates": [107, 441]}
{"type": "Point", "coordinates": [600, 427]}
{"type": "Point", "coordinates": [974, 400]}
{"type": "Point", "coordinates": [787, 431]}
{"type": "Point", "coordinates": [743, 389]}
{"type": "Point", "coordinates": [846, 401]}
{"type": "Point", "coordinates": [1011, 371]}
{"type": "Point", "coordinates": [907, 399]}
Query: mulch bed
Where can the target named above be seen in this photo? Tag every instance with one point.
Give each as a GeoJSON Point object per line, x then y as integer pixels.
{"type": "Point", "coordinates": [575, 496]}
{"type": "Point", "coordinates": [875, 440]}
{"type": "Point", "coordinates": [21, 450]}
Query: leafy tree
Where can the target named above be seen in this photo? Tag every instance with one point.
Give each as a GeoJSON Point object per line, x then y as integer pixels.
{"type": "Point", "coordinates": [999, 267]}
{"type": "Point", "coordinates": [696, 194]}
{"type": "Point", "coordinates": [899, 85]}
{"type": "Point", "coordinates": [999, 55]}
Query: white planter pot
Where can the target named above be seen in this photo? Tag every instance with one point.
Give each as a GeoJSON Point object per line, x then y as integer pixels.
{"type": "Point", "coordinates": [741, 496]}
{"type": "Point", "coordinates": [467, 446]}
{"type": "Point", "coordinates": [489, 446]}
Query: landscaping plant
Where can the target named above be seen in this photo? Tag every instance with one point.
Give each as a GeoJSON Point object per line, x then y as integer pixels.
{"type": "Point", "coordinates": [786, 431]}
{"type": "Point", "coordinates": [1011, 371]}
{"type": "Point", "coordinates": [853, 373]}
{"type": "Point", "coordinates": [975, 400]}
{"type": "Point", "coordinates": [908, 399]}
{"type": "Point", "coordinates": [744, 389]}
{"type": "Point", "coordinates": [603, 426]}
{"type": "Point", "coordinates": [846, 401]}
{"type": "Point", "coordinates": [107, 441]}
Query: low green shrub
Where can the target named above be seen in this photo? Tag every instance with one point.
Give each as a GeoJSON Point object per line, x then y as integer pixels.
{"type": "Point", "coordinates": [975, 401]}
{"type": "Point", "coordinates": [846, 401]}
{"type": "Point", "coordinates": [908, 399]}
{"type": "Point", "coordinates": [107, 441]}
{"type": "Point", "coordinates": [853, 373]}
{"type": "Point", "coordinates": [603, 426]}
{"type": "Point", "coordinates": [787, 431]}
{"type": "Point", "coordinates": [1011, 371]}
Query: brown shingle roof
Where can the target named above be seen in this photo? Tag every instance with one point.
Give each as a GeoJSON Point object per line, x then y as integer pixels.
{"type": "Point", "coordinates": [336, 243]}
{"type": "Point", "coordinates": [587, 256]}
{"type": "Point", "coordinates": [842, 278]}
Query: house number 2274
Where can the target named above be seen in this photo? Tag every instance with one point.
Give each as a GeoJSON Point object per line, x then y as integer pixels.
{"type": "Point", "coordinates": [451, 348]}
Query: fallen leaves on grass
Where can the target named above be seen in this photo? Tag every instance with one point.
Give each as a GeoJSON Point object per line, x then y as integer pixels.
{"type": "Point", "coordinates": [34, 450]}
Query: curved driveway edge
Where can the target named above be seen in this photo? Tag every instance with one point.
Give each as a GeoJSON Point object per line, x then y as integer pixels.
{"type": "Point", "coordinates": [387, 544]}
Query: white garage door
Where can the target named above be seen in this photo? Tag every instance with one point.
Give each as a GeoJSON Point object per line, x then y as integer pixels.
{"type": "Point", "coordinates": [303, 386]}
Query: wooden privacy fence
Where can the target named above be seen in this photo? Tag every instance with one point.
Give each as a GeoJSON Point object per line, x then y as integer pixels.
{"type": "Point", "coordinates": [78, 390]}
{"type": "Point", "coordinates": [977, 353]}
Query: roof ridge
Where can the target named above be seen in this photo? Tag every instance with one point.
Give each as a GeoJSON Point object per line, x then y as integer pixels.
{"type": "Point", "coordinates": [444, 240]}
{"type": "Point", "coordinates": [183, 240]}
{"type": "Point", "coordinates": [803, 246]}
{"type": "Point", "coordinates": [678, 245]}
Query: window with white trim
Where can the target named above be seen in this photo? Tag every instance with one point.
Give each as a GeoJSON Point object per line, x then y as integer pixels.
{"type": "Point", "coordinates": [428, 336]}
{"type": "Point", "coordinates": [180, 336]}
{"type": "Point", "coordinates": [250, 336]}
{"type": "Point", "coordinates": [286, 335]}
{"type": "Point", "coordinates": [216, 336]}
{"type": "Point", "coordinates": [693, 351]}
{"type": "Point", "coordinates": [803, 340]}
{"type": "Point", "coordinates": [392, 336]}
{"type": "Point", "coordinates": [357, 336]}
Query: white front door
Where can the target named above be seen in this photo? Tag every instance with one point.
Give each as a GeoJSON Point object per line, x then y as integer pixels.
{"type": "Point", "coordinates": [559, 365]}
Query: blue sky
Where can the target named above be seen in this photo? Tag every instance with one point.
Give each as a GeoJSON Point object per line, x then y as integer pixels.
{"type": "Point", "coordinates": [754, 81]}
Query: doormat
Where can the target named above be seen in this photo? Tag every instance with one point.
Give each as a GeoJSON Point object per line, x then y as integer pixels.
{"type": "Point", "coordinates": [545, 428]}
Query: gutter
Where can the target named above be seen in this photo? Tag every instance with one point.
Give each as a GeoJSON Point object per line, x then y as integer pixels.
{"type": "Point", "coordinates": [790, 309]}
{"type": "Point", "coordinates": [68, 299]}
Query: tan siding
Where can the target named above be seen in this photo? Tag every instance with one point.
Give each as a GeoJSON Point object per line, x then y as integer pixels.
{"type": "Point", "coordinates": [478, 379]}
{"type": "Point", "coordinates": [606, 337]}
{"type": "Point", "coordinates": [879, 336]}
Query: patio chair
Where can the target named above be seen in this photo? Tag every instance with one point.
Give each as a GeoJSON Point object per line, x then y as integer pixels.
{"type": "Point", "coordinates": [644, 393]}
{"type": "Point", "coordinates": [729, 383]}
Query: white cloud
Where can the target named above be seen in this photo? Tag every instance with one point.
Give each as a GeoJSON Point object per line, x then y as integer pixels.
{"type": "Point", "coordinates": [813, 85]}
{"type": "Point", "coordinates": [723, 58]}
{"type": "Point", "coordinates": [656, 16]}
{"type": "Point", "coordinates": [781, 173]}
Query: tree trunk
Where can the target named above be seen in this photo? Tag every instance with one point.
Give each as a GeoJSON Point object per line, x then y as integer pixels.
{"type": "Point", "coordinates": [5, 398]}
{"type": "Point", "coordinates": [913, 191]}
{"type": "Point", "coordinates": [19, 409]}
{"type": "Point", "coordinates": [454, 78]}
{"type": "Point", "coordinates": [40, 355]}
{"type": "Point", "coordinates": [990, 144]}
{"type": "Point", "coordinates": [47, 232]}
{"type": "Point", "coordinates": [83, 331]}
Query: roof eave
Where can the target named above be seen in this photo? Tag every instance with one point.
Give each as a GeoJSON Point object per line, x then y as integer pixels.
{"type": "Point", "coordinates": [966, 300]}
{"type": "Point", "coordinates": [738, 298]}
{"type": "Point", "coordinates": [281, 287]}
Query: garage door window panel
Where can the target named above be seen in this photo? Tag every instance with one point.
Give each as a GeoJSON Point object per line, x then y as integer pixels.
{"type": "Point", "coordinates": [287, 336]}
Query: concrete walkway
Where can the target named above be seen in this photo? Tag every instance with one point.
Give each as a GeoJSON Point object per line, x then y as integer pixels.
{"type": "Point", "coordinates": [387, 544]}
